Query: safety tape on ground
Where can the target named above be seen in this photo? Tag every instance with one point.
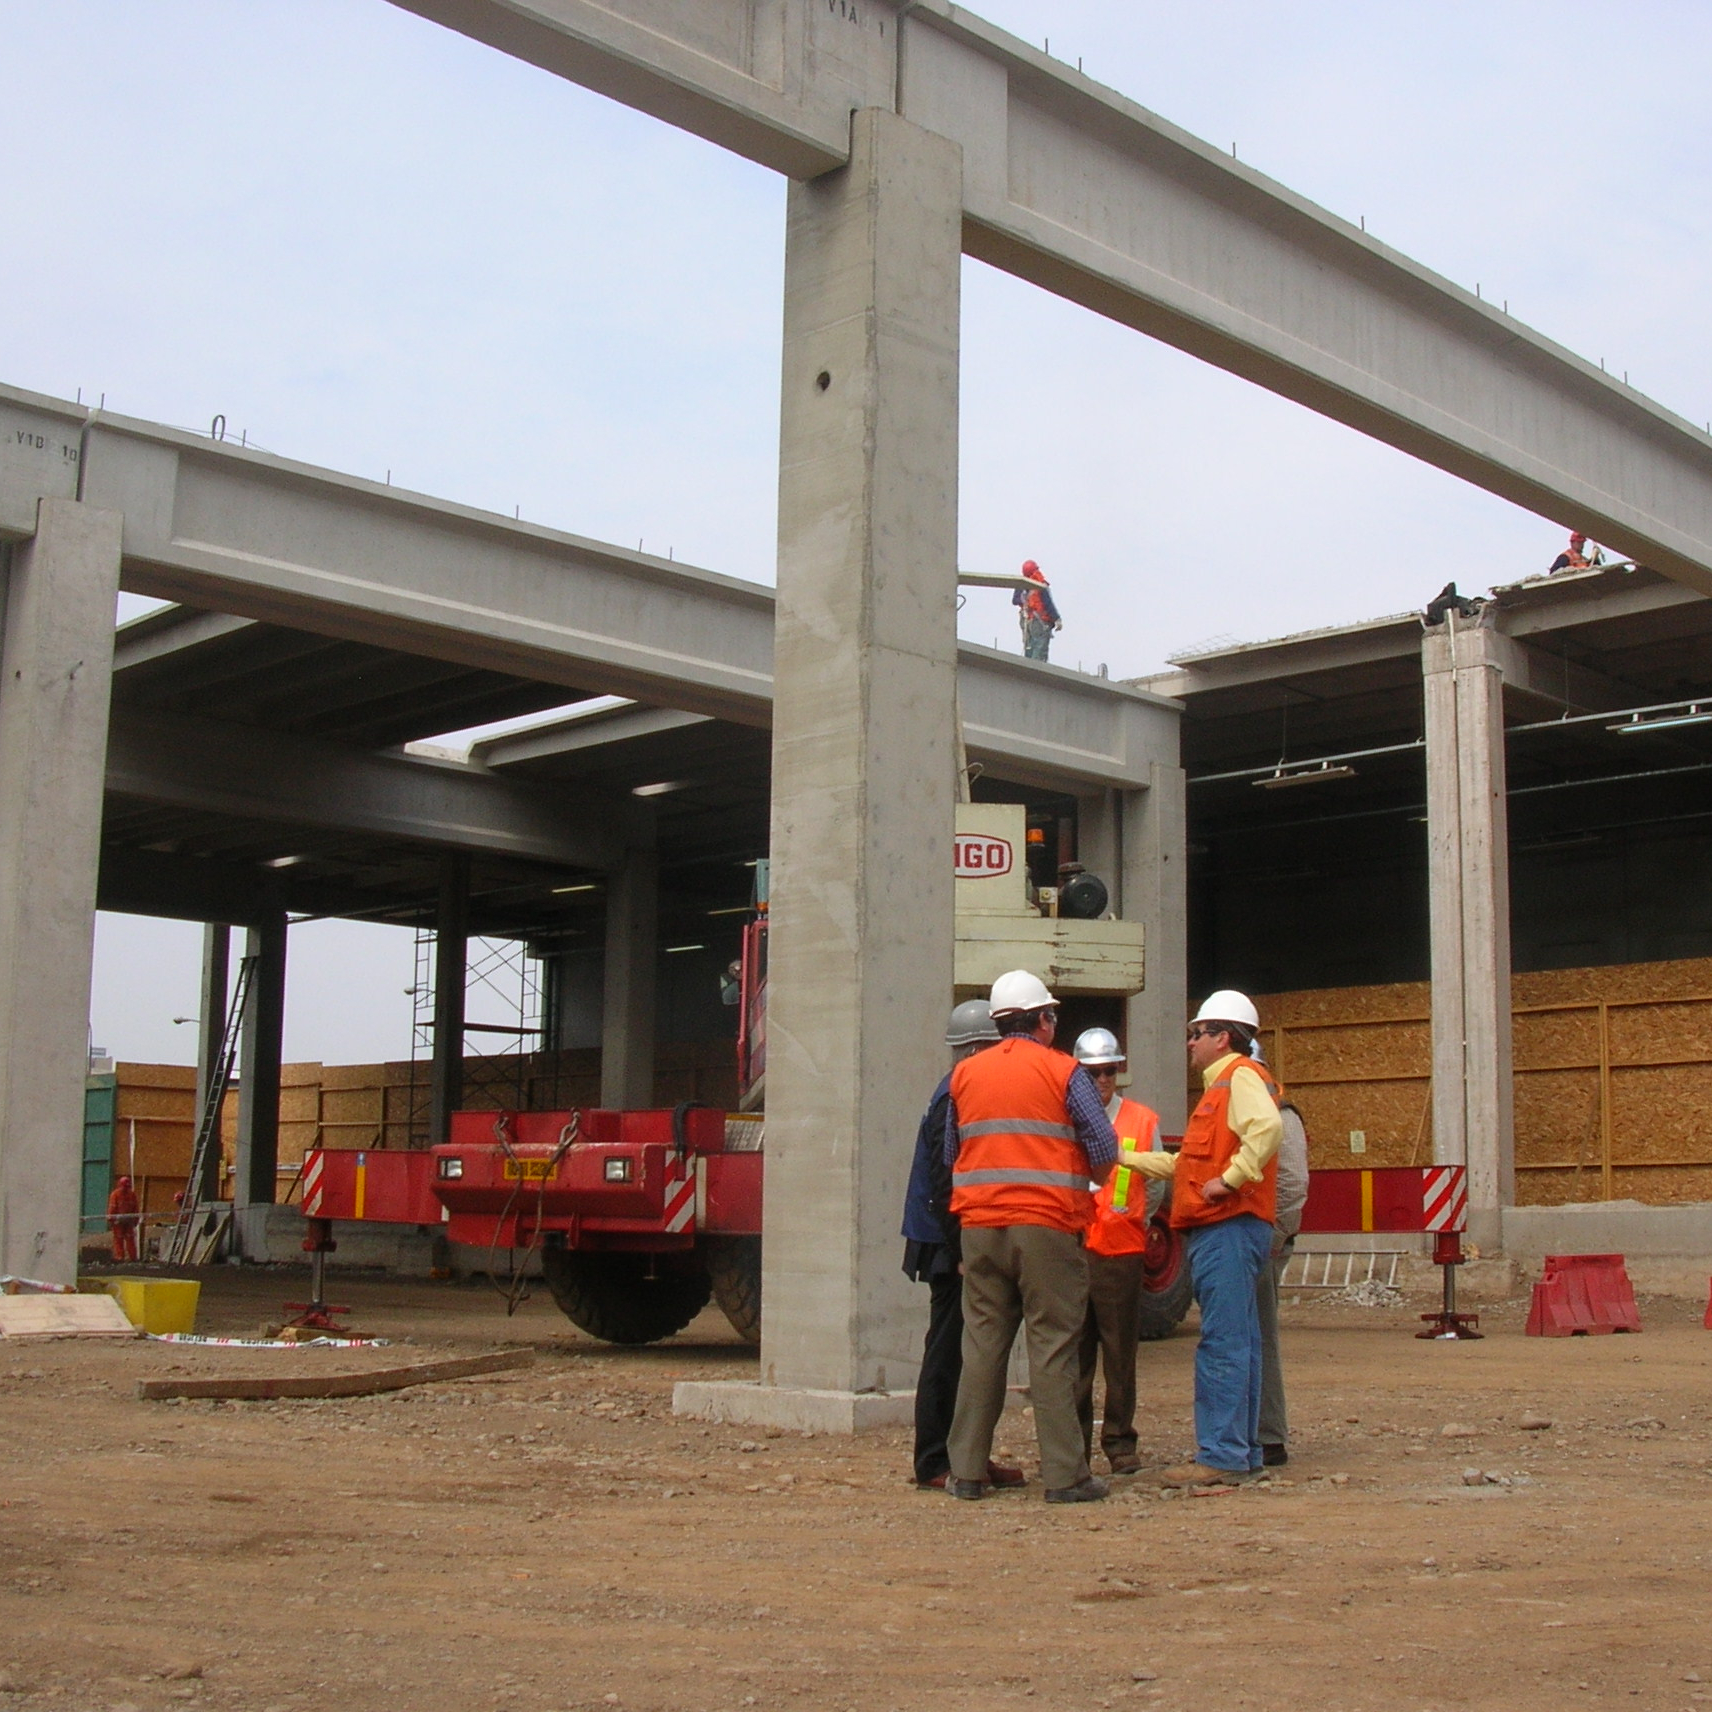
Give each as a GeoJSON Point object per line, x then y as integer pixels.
{"type": "Point", "coordinates": [272, 1343]}
{"type": "Point", "coordinates": [15, 1286]}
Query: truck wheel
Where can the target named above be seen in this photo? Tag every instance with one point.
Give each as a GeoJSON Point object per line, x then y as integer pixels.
{"type": "Point", "coordinates": [735, 1264]}
{"type": "Point", "coordinates": [613, 1298]}
{"type": "Point", "coordinates": [1166, 1289]}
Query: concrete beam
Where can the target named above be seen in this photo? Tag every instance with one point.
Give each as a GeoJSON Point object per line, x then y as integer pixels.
{"type": "Point", "coordinates": [56, 655]}
{"type": "Point", "coordinates": [309, 782]}
{"type": "Point", "coordinates": [249, 536]}
{"type": "Point", "coordinates": [1072, 186]}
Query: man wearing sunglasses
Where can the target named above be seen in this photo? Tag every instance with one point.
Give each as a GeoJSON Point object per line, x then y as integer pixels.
{"type": "Point", "coordinates": [1025, 1133]}
{"type": "Point", "coordinates": [1224, 1191]}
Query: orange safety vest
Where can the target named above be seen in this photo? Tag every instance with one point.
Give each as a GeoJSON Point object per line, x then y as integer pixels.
{"type": "Point", "coordinates": [1018, 1159]}
{"type": "Point", "coordinates": [1209, 1145]}
{"type": "Point", "coordinates": [1120, 1204]}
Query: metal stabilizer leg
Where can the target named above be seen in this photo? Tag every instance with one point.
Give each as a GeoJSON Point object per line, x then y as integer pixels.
{"type": "Point", "coordinates": [1447, 1322]}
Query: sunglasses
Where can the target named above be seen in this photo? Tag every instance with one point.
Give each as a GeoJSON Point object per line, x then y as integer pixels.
{"type": "Point", "coordinates": [1204, 1033]}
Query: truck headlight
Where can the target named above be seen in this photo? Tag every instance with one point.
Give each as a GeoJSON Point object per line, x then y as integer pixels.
{"type": "Point", "coordinates": [451, 1168]}
{"type": "Point", "coordinates": [617, 1168]}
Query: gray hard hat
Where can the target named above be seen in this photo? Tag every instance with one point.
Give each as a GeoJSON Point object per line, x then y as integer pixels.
{"type": "Point", "coordinates": [970, 1022]}
{"type": "Point", "coordinates": [1098, 1046]}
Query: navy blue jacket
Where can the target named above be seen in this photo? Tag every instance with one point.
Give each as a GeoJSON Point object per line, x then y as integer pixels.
{"type": "Point", "coordinates": [932, 1242]}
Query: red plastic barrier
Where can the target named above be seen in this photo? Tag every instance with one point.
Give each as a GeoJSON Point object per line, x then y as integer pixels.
{"type": "Point", "coordinates": [1709, 1311]}
{"type": "Point", "coordinates": [1583, 1293]}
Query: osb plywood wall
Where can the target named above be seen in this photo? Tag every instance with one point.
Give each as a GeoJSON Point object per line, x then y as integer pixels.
{"type": "Point", "coordinates": [372, 1105]}
{"type": "Point", "coordinates": [1613, 1069]}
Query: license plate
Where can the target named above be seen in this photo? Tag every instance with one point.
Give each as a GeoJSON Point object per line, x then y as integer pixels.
{"type": "Point", "coordinates": [528, 1170]}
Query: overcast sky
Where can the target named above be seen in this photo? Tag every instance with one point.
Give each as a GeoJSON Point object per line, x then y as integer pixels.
{"type": "Point", "coordinates": [377, 246]}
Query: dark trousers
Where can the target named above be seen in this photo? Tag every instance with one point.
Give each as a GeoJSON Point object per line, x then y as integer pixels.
{"type": "Point", "coordinates": [1110, 1337]}
{"type": "Point", "coordinates": [941, 1368]}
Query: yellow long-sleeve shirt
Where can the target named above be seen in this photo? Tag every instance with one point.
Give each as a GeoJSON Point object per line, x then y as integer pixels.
{"type": "Point", "coordinates": [1253, 1117]}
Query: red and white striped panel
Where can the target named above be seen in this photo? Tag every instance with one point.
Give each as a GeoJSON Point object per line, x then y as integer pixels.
{"type": "Point", "coordinates": [1444, 1198]}
{"type": "Point", "coordinates": [680, 1204]}
{"type": "Point", "coordinates": [312, 1185]}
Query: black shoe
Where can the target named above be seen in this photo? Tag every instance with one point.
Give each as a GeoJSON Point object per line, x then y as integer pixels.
{"type": "Point", "coordinates": [965, 1488]}
{"type": "Point", "coordinates": [1274, 1455]}
{"type": "Point", "coordinates": [1088, 1491]}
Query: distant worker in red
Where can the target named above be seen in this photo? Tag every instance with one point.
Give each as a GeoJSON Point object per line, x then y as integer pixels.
{"type": "Point", "coordinates": [1578, 556]}
{"type": "Point", "coordinates": [123, 1216]}
{"type": "Point", "coordinates": [1036, 613]}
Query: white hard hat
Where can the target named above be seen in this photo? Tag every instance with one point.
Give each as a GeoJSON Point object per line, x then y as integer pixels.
{"type": "Point", "coordinates": [1098, 1046]}
{"type": "Point", "coordinates": [1018, 990]}
{"type": "Point", "coordinates": [1228, 1006]}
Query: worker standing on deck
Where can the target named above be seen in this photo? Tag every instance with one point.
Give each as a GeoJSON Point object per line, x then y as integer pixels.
{"type": "Point", "coordinates": [1579, 556]}
{"type": "Point", "coordinates": [933, 1256]}
{"type": "Point", "coordinates": [1024, 1133]}
{"type": "Point", "coordinates": [123, 1217]}
{"type": "Point", "coordinates": [1117, 1256]}
{"type": "Point", "coordinates": [1224, 1198]}
{"type": "Point", "coordinates": [1037, 613]}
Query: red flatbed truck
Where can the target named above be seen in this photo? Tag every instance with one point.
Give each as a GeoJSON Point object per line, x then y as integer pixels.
{"type": "Point", "coordinates": [640, 1218]}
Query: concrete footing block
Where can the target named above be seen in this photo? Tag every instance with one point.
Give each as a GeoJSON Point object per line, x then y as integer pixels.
{"type": "Point", "coordinates": [796, 1409]}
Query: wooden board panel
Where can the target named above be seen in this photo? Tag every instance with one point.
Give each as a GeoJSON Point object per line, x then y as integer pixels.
{"type": "Point", "coordinates": [63, 1316]}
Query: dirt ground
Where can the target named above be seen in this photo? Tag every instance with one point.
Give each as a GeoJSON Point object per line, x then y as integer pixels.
{"type": "Point", "coordinates": [555, 1538]}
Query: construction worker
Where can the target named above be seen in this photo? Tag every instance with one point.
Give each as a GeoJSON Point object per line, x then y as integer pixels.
{"type": "Point", "coordinates": [123, 1216]}
{"type": "Point", "coordinates": [1292, 1197]}
{"type": "Point", "coordinates": [1024, 1134]}
{"type": "Point", "coordinates": [933, 1256]}
{"type": "Point", "coordinates": [1224, 1198]}
{"type": "Point", "coordinates": [1577, 557]}
{"type": "Point", "coordinates": [1037, 613]}
{"type": "Point", "coordinates": [1116, 1246]}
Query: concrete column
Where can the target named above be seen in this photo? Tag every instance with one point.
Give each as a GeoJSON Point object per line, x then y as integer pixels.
{"type": "Point", "coordinates": [1468, 877]}
{"type": "Point", "coordinates": [260, 1048]}
{"type": "Point", "coordinates": [628, 983]}
{"type": "Point", "coordinates": [211, 1035]}
{"type": "Point", "coordinates": [451, 966]}
{"type": "Point", "coordinates": [57, 597]}
{"type": "Point", "coordinates": [864, 767]}
{"type": "Point", "coordinates": [1155, 893]}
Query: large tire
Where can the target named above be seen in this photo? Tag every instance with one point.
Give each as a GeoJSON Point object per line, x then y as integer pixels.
{"type": "Point", "coordinates": [613, 1297]}
{"type": "Point", "coordinates": [1166, 1288]}
{"type": "Point", "coordinates": [735, 1265]}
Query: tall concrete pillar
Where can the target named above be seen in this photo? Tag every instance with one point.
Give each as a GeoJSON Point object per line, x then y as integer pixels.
{"type": "Point", "coordinates": [1155, 893]}
{"type": "Point", "coordinates": [864, 767]}
{"type": "Point", "coordinates": [211, 1036]}
{"type": "Point", "coordinates": [261, 1045]}
{"type": "Point", "coordinates": [628, 982]}
{"type": "Point", "coordinates": [451, 973]}
{"type": "Point", "coordinates": [57, 597]}
{"type": "Point", "coordinates": [1468, 877]}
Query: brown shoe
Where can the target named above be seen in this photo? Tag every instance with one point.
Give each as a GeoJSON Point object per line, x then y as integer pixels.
{"type": "Point", "coordinates": [1199, 1474]}
{"type": "Point", "coordinates": [1124, 1463]}
{"type": "Point", "coordinates": [998, 1475]}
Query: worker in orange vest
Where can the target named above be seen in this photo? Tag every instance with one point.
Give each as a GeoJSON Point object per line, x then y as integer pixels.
{"type": "Point", "coordinates": [123, 1216]}
{"type": "Point", "coordinates": [1224, 1188]}
{"type": "Point", "coordinates": [1025, 1132]}
{"type": "Point", "coordinates": [1037, 613]}
{"type": "Point", "coordinates": [1117, 1252]}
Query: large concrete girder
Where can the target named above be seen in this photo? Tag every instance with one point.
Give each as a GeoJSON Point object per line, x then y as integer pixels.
{"type": "Point", "coordinates": [1089, 195]}
{"type": "Point", "coordinates": [273, 776]}
{"type": "Point", "coordinates": [255, 536]}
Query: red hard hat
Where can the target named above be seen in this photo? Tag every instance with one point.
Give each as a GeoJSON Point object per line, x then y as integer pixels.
{"type": "Point", "coordinates": [1576, 535]}
{"type": "Point", "coordinates": [124, 1182]}
{"type": "Point", "coordinates": [1030, 568]}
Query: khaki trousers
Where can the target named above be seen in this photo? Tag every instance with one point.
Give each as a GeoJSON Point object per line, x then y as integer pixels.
{"type": "Point", "coordinates": [1037, 1278]}
{"type": "Point", "coordinates": [1109, 1340]}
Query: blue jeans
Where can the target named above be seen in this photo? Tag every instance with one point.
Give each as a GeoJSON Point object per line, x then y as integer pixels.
{"type": "Point", "coordinates": [1225, 1261]}
{"type": "Point", "coordinates": [1036, 639]}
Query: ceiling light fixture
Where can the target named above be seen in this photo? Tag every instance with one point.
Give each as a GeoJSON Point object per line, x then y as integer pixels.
{"type": "Point", "coordinates": [565, 891]}
{"type": "Point", "coordinates": [735, 909]}
{"type": "Point", "coordinates": [1697, 713]}
{"type": "Point", "coordinates": [662, 788]}
{"type": "Point", "coordinates": [672, 948]}
{"type": "Point", "coordinates": [1308, 775]}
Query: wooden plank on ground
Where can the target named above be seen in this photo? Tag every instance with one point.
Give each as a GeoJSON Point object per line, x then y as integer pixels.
{"type": "Point", "coordinates": [336, 1384]}
{"type": "Point", "coordinates": [63, 1316]}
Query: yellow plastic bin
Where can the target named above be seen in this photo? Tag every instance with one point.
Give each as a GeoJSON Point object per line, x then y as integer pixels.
{"type": "Point", "coordinates": [157, 1304]}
